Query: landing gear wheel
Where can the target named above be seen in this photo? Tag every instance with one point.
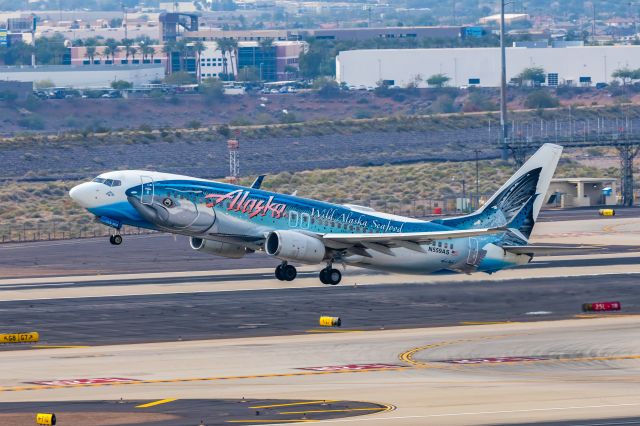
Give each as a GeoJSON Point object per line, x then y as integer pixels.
{"type": "Point", "coordinates": [116, 240]}
{"type": "Point", "coordinates": [330, 276]}
{"type": "Point", "coordinates": [280, 273]}
{"type": "Point", "coordinates": [289, 272]}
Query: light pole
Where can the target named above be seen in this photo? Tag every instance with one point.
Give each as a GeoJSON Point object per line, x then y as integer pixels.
{"type": "Point", "coordinates": [504, 132]}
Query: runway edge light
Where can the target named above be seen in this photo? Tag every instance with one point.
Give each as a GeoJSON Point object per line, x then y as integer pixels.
{"type": "Point", "coordinates": [601, 306]}
{"type": "Point", "coordinates": [31, 337]}
{"type": "Point", "coordinates": [46, 419]}
{"type": "Point", "coordinates": [330, 321]}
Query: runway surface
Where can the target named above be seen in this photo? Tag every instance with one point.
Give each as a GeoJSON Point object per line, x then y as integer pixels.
{"type": "Point", "coordinates": [511, 348]}
{"type": "Point", "coordinates": [209, 315]}
{"type": "Point", "coordinates": [167, 253]}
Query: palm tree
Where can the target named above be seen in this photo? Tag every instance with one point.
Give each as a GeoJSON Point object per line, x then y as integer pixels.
{"type": "Point", "coordinates": [223, 46]}
{"type": "Point", "coordinates": [91, 53]}
{"type": "Point", "coordinates": [127, 43]}
{"type": "Point", "coordinates": [233, 52]}
{"type": "Point", "coordinates": [133, 51]}
{"type": "Point", "coordinates": [146, 51]}
{"type": "Point", "coordinates": [168, 48]}
{"type": "Point", "coordinates": [181, 46]}
{"type": "Point", "coordinates": [111, 49]}
{"type": "Point", "coordinates": [199, 47]}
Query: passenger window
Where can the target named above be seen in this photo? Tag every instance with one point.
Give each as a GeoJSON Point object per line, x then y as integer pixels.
{"type": "Point", "coordinates": [439, 243]}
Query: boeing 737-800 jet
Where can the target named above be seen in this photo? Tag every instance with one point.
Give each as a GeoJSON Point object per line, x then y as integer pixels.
{"type": "Point", "coordinates": [231, 221]}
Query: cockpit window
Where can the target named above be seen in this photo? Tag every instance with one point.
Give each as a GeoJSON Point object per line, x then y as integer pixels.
{"type": "Point", "coordinates": [108, 182]}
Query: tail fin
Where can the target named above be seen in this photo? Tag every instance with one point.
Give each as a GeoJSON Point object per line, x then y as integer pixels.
{"type": "Point", "coordinates": [517, 203]}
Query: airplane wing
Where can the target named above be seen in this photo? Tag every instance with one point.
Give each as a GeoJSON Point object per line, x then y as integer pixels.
{"type": "Point", "coordinates": [549, 250]}
{"type": "Point", "coordinates": [415, 237]}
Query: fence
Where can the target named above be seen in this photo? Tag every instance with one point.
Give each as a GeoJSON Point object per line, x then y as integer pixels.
{"type": "Point", "coordinates": [48, 231]}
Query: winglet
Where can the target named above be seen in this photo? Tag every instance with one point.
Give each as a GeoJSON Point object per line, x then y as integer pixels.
{"type": "Point", "coordinates": [258, 182]}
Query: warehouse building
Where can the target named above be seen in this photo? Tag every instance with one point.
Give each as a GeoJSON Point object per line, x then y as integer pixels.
{"type": "Point", "coordinates": [575, 66]}
{"type": "Point", "coordinates": [84, 77]}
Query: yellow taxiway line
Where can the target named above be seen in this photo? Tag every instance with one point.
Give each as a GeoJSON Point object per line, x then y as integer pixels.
{"type": "Point", "coordinates": [154, 403]}
{"type": "Point", "coordinates": [294, 403]}
{"type": "Point", "coordinates": [344, 410]}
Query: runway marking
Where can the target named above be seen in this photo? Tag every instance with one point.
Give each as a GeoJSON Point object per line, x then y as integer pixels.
{"type": "Point", "coordinates": [343, 410]}
{"type": "Point", "coordinates": [487, 322]}
{"type": "Point", "coordinates": [331, 330]}
{"type": "Point", "coordinates": [295, 403]}
{"type": "Point", "coordinates": [57, 347]}
{"type": "Point", "coordinates": [194, 379]}
{"type": "Point", "coordinates": [158, 402]}
{"type": "Point", "coordinates": [275, 422]}
{"type": "Point", "coordinates": [530, 410]}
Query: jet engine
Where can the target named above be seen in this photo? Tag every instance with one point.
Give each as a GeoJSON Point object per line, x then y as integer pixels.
{"type": "Point", "coordinates": [232, 251]}
{"type": "Point", "coordinates": [294, 246]}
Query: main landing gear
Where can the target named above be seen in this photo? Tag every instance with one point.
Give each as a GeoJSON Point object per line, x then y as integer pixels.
{"type": "Point", "coordinates": [330, 276]}
{"type": "Point", "coordinates": [286, 272]}
{"type": "Point", "coordinates": [116, 239]}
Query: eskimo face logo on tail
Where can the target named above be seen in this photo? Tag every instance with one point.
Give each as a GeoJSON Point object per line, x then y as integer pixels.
{"type": "Point", "coordinates": [242, 202]}
{"type": "Point", "coordinates": [511, 200]}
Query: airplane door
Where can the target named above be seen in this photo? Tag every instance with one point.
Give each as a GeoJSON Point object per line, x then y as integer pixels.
{"type": "Point", "coordinates": [147, 192]}
{"type": "Point", "coordinates": [474, 251]}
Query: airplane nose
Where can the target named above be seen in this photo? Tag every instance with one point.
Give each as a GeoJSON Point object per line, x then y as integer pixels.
{"type": "Point", "coordinates": [84, 194]}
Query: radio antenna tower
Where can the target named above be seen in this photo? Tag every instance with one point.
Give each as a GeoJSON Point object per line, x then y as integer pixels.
{"type": "Point", "coordinates": [234, 160]}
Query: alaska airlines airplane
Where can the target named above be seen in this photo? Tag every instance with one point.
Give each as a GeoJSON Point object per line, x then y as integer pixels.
{"type": "Point", "coordinates": [231, 221]}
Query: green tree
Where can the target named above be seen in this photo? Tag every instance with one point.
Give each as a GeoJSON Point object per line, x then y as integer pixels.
{"type": "Point", "coordinates": [624, 74]}
{"type": "Point", "coordinates": [111, 49]}
{"type": "Point", "coordinates": [224, 46]}
{"type": "Point", "coordinates": [438, 80]}
{"type": "Point", "coordinates": [541, 98]}
{"type": "Point", "coordinates": [121, 84]}
{"type": "Point", "coordinates": [179, 78]}
{"type": "Point", "coordinates": [212, 89]}
{"type": "Point", "coordinates": [91, 53]}
{"type": "Point", "coordinates": [198, 47]}
{"type": "Point", "coordinates": [127, 43]}
{"type": "Point", "coordinates": [327, 87]}
{"type": "Point", "coordinates": [535, 75]}
{"type": "Point", "coordinates": [43, 84]}
{"type": "Point", "coordinates": [233, 52]}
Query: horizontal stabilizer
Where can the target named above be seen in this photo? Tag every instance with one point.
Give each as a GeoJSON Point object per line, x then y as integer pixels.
{"type": "Point", "coordinates": [548, 250]}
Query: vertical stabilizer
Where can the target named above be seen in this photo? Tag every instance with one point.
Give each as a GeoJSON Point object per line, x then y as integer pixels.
{"type": "Point", "coordinates": [517, 203]}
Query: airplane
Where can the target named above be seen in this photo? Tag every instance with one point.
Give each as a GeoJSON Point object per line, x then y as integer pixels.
{"type": "Point", "coordinates": [232, 220]}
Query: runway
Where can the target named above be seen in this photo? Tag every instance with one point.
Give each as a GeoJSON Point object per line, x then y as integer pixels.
{"type": "Point", "coordinates": [133, 324]}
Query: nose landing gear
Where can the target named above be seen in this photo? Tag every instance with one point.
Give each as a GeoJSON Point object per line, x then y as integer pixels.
{"type": "Point", "coordinates": [116, 239]}
{"type": "Point", "coordinates": [286, 272]}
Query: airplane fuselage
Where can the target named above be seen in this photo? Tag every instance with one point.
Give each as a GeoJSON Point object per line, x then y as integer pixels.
{"type": "Point", "coordinates": [236, 216]}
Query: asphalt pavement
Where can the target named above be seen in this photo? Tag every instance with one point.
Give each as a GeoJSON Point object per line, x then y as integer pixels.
{"type": "Point", "coordinates": [210, 315]}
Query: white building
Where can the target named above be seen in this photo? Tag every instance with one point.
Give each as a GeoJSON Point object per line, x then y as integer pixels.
{"type": "Point", "coordinates": [85, 77]}
{"type": "Point", "coordinates": [583, 65]}
{"type": "Point", "coordinates": [212, 61]}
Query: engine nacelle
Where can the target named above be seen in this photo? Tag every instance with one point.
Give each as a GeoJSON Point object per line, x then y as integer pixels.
{"type": "Point", "coordinates": [233, 251]}
{"type": "Point", "coordinates": [294, 246]}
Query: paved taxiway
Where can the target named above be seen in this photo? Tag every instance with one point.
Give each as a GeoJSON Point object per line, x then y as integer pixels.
{"type": "Point", "coordinates": [512, 348]}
